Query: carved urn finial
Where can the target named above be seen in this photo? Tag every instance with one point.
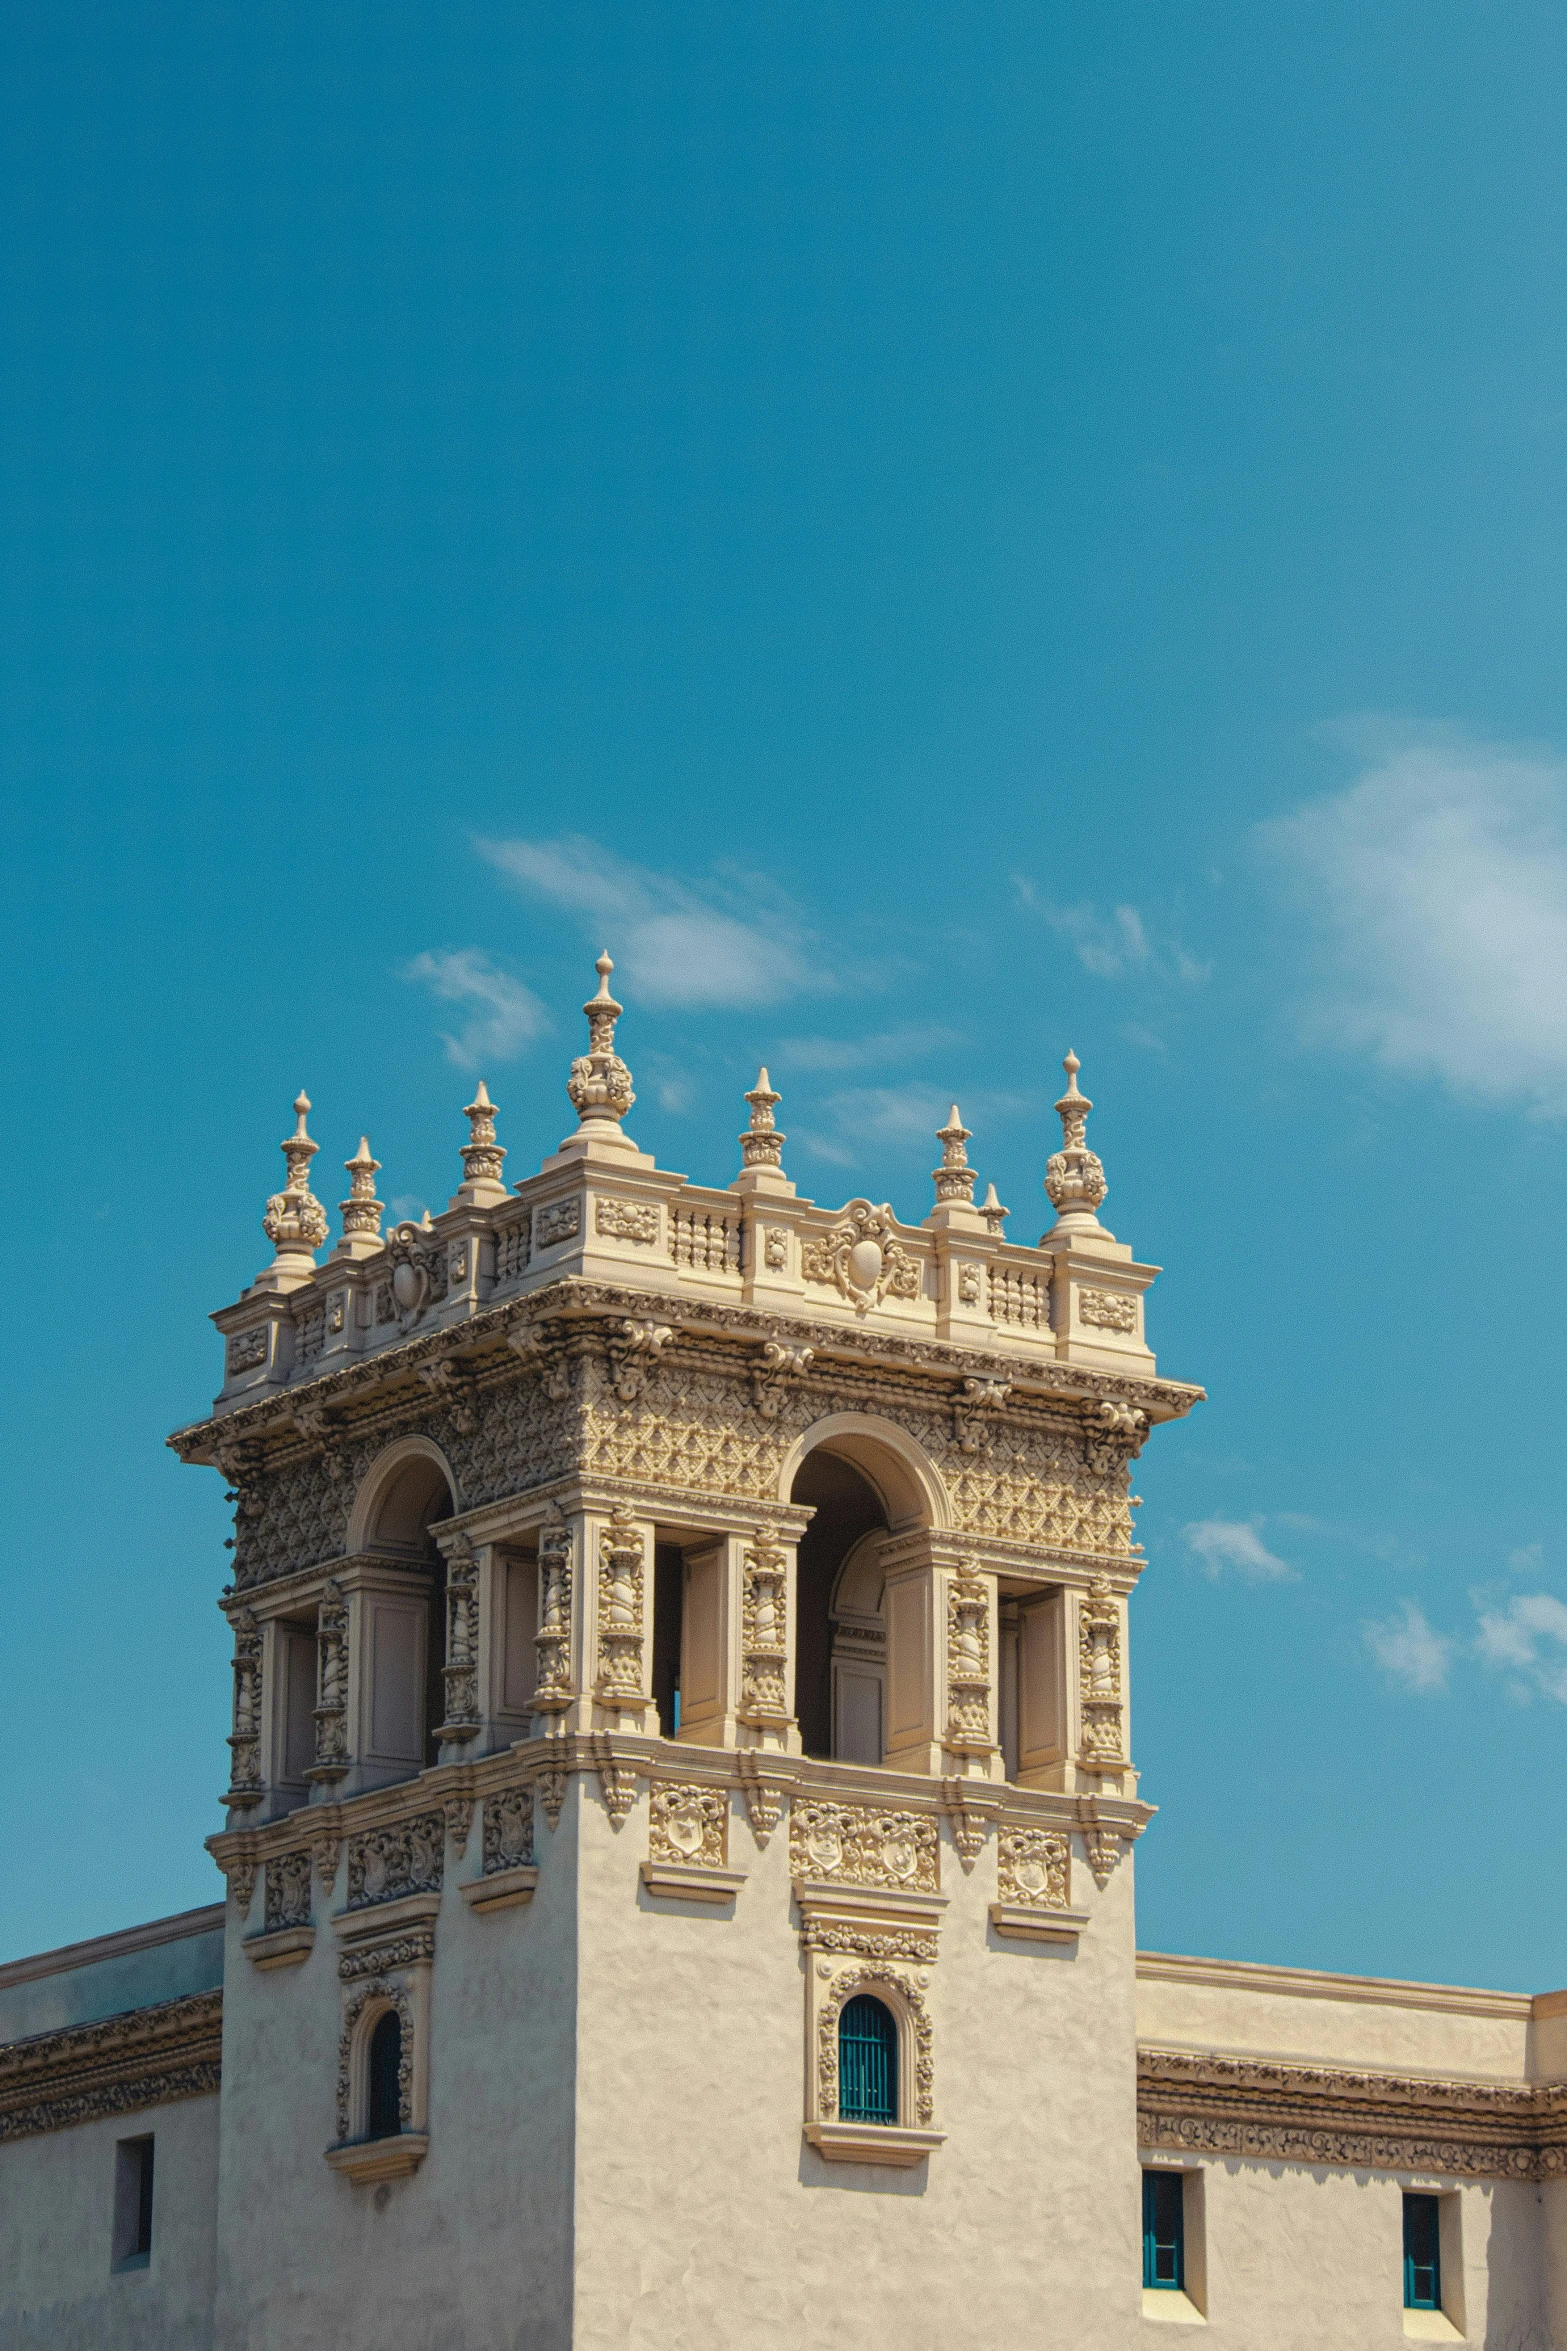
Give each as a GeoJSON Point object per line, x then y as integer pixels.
{"type": "Point", "coordinates": [295, 1222]}
{"type": "Point", "coordinates": [762, 1144]}
{"type": "Point", "coordinates": [1074, 1175]}
{"type": "Point", "coordinates": [481, 1185]}
{"type": "Point", "coordinates": [954, 1178]}
{"type": "Point", "coordinates": [600, 1082]}
{"type": "Point", "coordinates": [361, 1211]}
{"type": "Point", "coordinates": [994, 1214]}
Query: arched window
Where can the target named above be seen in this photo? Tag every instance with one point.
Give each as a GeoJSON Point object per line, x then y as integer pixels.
{"type": "Point", "coordinates": [867, 2061]}
{"type": "Point", "coordinates": [835, 1719]}
{"type": "Point", "coordinates": [385, 2058]}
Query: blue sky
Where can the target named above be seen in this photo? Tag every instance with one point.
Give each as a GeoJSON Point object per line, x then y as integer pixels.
{"type": "Point", "coordinates": [940, 535]}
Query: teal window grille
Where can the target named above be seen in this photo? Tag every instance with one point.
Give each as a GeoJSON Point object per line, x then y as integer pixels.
{"type": "Point", "coordinates": [1164, 2231]}
{"type": "Point", "coordinates": [867, 2061]}
{"type": "Point", "coordinates": [1422, 2253]}
{"type": "Point", "coordinates": [386, 2059]}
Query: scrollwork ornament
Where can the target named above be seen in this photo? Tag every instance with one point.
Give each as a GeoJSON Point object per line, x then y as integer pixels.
{"type": "Point", "coordinates": [862, 1257]}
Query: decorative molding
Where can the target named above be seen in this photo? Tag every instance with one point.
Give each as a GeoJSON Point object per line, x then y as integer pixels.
{"type": "Point", "coordinates": [376, 1992]}
{"type": "Point", "coordinates": [1305, 1983]}
{"type": "Point", "coordinates": [968, 1661]}
{"type": "Point", "coordinates": [1099, 1670]}
{"type": "Point", "coordinates": [861, 1258]}
{"type": "Point", "coordinates": [617, 1780]}
{"type": "Point", "coordinates": [287, 1890]}
{"type": "Point", "coordinates": [331, 1711]}
{"type": "Point", "coordinates": [688, 1824]}
{"type": "Point", "coordinates": [851, 1844]}
{"type": "Point", "coordinates": [123, 2065]}
{"type": "Point", "coordinates": [627, 1220]}
{"type": "Point", "coordinates": [1108, 1310]}
{"type": "Point", "coordinates": [974, 1410]}
{"type": "Point", "coordinates": [1201, 2103]}
{"type": "Point", "coordinates": [552, 1689]}
{"type": "Point", "coordinates": [765, 1797]}
{"type": "Point", "coordinates": [561, 1221]}
{"type": "Point", "coordinates": [247, 1350]}
{"type": "Point", "coordinates": [780, 1364]}
{"type": "Point", "coordinates": [410, 1947]}
{"type": "Point", "coordinates": [508, 1829]}
{"type": "Point", "coordinates": [550, 1780]}
{"type": "Point", "coordinates": [870, 1976]}
{"type": "Point", "coordinates": [407, 1857]}
{"type": "Point", "coordinates": [460, 1675]}
{"type": "Point", "coordinates": [634, 1354]}
{"type": "Point", "coordinates": [621, 1594]}
{"type": "Point", "coordinates": [763, 1631]}
{"type": "Point", "coordinates": [246, 1787]}
{"type": "Point", "coordinates": [969, 1815]}
{"type": "Point", "coordinates": [1035, 1868]}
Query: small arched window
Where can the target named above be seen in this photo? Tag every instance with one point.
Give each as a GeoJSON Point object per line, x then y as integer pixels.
{"type": "Point", "coordinates": [385, 2059]}
{"type": "Point", "coordinates": [867, 2061]}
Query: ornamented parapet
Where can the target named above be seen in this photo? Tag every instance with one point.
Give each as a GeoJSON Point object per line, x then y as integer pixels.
{"type": "Point", "coordinates": [621, 1580]}
{"type": "Point", "coordinates": [857, 1845]}
{"type": "Point", "coordinates": [406, 1858]}
{"type": "Point", "coordinates": [331, 1710]}
{"type": "Point", "coordinates": [688, 1825]}
{"type": "Point", "coordinates": [552, 1691]}
{"type": "Point", "coordinates": [763, 1697]}
{"type": "Point", "coordinates": [461, 1673]}
{"type": "Point", "coordinates": [862, 1259]}
{"type": "Point", "coordinates": [1099, 1664]}
{"type": "Point", "coordinates": [245, 1783]}
{"type": "Point", "coordinates": [968, 1660]}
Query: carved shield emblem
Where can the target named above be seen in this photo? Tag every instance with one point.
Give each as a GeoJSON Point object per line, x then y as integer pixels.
{"type": "Point", "coordinates": [1031, 1878]}
{"type": "Point", "coordinates": [685, 1830]}
{"type": "Point", "coordinates": [899, 1858]}
{"type": "Point", "coordinates": [825, 1847]}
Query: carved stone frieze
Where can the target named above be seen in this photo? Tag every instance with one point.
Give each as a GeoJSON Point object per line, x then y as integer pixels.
{"type": "Point", "coordinates": [1199, 2103]}
{"type": "Point", "coordinates": [406, 1858]}
{"type": "Point", "coordinates": [288, 1890]}
{"type": "Point", "coordinates": [861, 1845]}
{"type": "Point", "coordinates": [1107, 1310]}
{"type": "Point", "coordinates": [123, 2065]}
{"type": "Point", "coordinates": [508, 1829]}
{"type": "Point", "coordinates": [627, 1220]}
{"type": "Point", "coordinates": [862, 1258]}
{"type": "Point", "coordinates": [1035, 1866]}
{"type": "Point", "coordinates": [688, 1824]}
{"type": "Point", "coordinates": [413, 1947]}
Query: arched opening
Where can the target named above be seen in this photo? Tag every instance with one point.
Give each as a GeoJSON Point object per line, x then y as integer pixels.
{"type": "Point", "coordinates": [867, 2061]}
{"type": "Point", "coordinates": [839, 1646]}
{"type": "Point", "coordinates": [407, 1650]}
{"type": "Point", "coordinates": [384, 2061]}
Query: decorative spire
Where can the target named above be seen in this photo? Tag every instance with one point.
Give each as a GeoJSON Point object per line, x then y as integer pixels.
{"type": "Point", "coordinates": [361, 1211]}
{"type": "Point", "coordinates": [1074, 1175]}
{"type": "Point", "coordinates": [481, 1185]}
{"type": "Point", "coordinates": [762, 1145]}
{"type": "Point", "coordinates": [993, 1212]}
{"type": "Point", "coordinates": [954, 1178]}
{"type": "Point", "coordinates": [600, 1083]}
{"type": "Point", "coordinates": [295, 1222]}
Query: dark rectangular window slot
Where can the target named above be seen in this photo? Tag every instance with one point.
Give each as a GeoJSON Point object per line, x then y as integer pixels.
{"type": "Point", "coordinates": [133, 2204]}
{"type": "Point", "coordinates": [1164, 2231]}
{"type": "Point", "coordinates": [1422, 2253]}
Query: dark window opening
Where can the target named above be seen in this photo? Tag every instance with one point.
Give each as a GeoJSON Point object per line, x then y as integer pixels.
{"type": "Point", "coordinates": [133, 2204]}
{"type": "Point", "coordinates": [867, 2061]}
{"type": "Point", "coordinates": [669, 1604]}
{"type": "Point", "coordinates": [1164, 2230]}
{"type": "Point", "coordinates": [1422, 2253]}
{"type": "Point", "coordinates": [386, 2060]}
{"type": "Point", "coordinates": [847, 1506]}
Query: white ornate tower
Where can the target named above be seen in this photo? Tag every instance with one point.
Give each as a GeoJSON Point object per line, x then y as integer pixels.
{"type": "Point", "coordinates": [682, 1798]}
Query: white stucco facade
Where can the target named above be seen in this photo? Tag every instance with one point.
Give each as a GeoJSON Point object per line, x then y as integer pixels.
{"type": "Point", "coordinates": [679, 1870]}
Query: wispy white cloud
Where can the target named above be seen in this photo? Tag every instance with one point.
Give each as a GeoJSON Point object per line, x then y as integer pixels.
{"type": "Point", "coordinates": [1220, 1543]}
{"type": "Point", "coordinates": [1113, 945]}
{"type": "Point", "coordinates": [1527, 1638]}
{"type": "Point", "coordinates": [883, 1051]}
{"type": "Point", "coordinates": [847, 1125]}
{"type": "Point", "coordinates": [503, 1015]}
{"type": "Point", "coordinates": [1439, 879]}
{"type": "Point", "coordinates": [1409, 1649]}
{"type": "Point", "coordinates": [735, 941]}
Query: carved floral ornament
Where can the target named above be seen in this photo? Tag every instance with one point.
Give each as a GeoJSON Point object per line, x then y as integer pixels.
{"type": "Point", "coordinates": [860, 1845]}
{"type": "Point", "coordinates": [862, 1257]}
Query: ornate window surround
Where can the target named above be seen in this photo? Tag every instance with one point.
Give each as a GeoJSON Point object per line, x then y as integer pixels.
{"type": "Point", "coordinates": [387, 1955]}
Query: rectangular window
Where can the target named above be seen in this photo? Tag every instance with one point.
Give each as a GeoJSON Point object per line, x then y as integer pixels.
{"type": "Point", "coordinates": [1422, 2253]}
{"type": "Point", "coordinates": [1164, 2230]}
{"type": "Point", "coordinates": [133, 2204]}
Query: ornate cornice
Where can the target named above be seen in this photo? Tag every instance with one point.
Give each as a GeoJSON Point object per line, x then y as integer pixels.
{"type": "Point", "coordinates": [1204, 2104]}
{"type": "Point", "coordinates": [120, 2066]}
{"type": "Point", "coordinates": [574, 1300]}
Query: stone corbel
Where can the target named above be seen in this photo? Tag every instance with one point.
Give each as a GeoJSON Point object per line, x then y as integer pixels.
{"type": "Point", "coordinates": [449, 1383]}
{"type": "Point", "coordinates": [770, 1379]}
{"type": "Point", "coordinates": [974, 1411]}
{"type": "Point", "coordinates": [617, 1778]}
{"type": "Point", "coordinates": [553, 1364]}
{"type": "Point", "coordinates": [633, 1356]}
{"type": "Point", "coordinates": [766, 1793]}
{"type": "Point", "coordinates": [1114, 1433]}
{"type": "Point", "coordinates": [970, 1818]}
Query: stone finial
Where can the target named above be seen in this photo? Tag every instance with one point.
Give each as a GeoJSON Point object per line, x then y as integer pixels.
{"type": "Point", "coordinates": [1074, 1175]}
{"type": "Point", "coordinates": [295, 1222]}
{"type": "Point", "coordinates": [481, 1185]}
{"type": "Point", "coordinates": [600, 1082]}
{"type": "Point", "coordinates": [361, 1211]}
{"type": "Point", "coordinates": [993, 1212]}
{"type": "Point", "coordinates": [762, 1144]}
{"type": "Point", "coordinates": [954, 1178]}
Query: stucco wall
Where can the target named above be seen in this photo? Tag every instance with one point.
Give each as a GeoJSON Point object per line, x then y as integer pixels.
{"type": "Point", "coordinates": [471, 2253]}
{"type": "Point", "coordinates": [57, 2291]}
{"type": "Point", "coordinates": [704, 2219]}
